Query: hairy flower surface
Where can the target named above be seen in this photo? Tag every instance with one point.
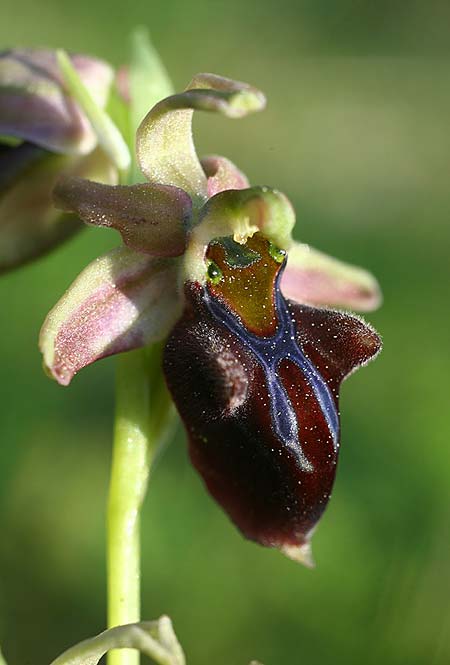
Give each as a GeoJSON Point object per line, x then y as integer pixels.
{"type": "Point", "coordinates": [252, 362]}
{"type": "Point", "coordinates": [256, 380]}
{"type": "Point", "coordinates": [44, 134]}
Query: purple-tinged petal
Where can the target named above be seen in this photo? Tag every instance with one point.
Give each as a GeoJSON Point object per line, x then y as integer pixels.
{"type": "Point", "coordinates": [151, 218]}
{"type": "Point", "coordinates": [240, 213]}
{"type": "Point", "coordinates": [222, 174]}
{"type": "Point", "coordinates": [164, 143]}
{"type": "Point", "coordinates": [318, 279]}
{"type": "Point", "coordinates": [29, 223]}
{"type": "Point", "coordinates": [258, 391]}
{"type": "Point", "coordinates": [121, 301]}
{"type": "Point", "coordinates": [34, 106]}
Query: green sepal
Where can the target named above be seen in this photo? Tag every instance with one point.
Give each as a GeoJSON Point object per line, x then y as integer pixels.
{"type": "Point", "coordinates": [164, 143]}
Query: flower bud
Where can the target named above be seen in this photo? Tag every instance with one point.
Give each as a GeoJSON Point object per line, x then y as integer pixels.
{"type": "Point", "coordinates": [43, 134]}
{"type": "Point", "coordinates": [35, 107]}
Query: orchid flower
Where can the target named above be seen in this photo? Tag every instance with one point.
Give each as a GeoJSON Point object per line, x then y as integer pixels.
{"type": "Point", "coordinates": [252, 359]}
{"type": "Point", "coordinates": [44, 134]}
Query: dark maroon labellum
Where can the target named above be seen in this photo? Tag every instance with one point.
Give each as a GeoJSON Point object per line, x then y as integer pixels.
{"type": "Point", "coordinates": [259, 394]}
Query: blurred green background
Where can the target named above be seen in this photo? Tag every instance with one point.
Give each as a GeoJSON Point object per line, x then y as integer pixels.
{"type": "Point", "coordinates": [357, 135]}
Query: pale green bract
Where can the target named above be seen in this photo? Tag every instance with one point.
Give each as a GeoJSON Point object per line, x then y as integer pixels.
{"type": "Point", "coordinates": [155, 639]}
{"type": "Point", "coordinates": [149, 80]}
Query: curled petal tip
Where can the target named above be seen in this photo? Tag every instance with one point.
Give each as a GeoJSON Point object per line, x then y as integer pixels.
{"type": "Point", "coordinates": [164, 143]}
{"type": "Point", "coordinates": [299, 553]}
{"type": "Point", "coordinates": [238, 98]}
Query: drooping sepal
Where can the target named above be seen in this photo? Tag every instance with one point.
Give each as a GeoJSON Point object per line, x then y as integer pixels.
{"type": "Point", "coordinates": [152, 219]}
{"type": "Point", "coordinates": [164, 143]}
{"type": "Point", "coordinates": [121, 301]}
{"type": "Point", "coordinates": [318, 279]}
{"type": "Point", "coordinates": [34, 105]}
{"type": "Point", "coordinates": [261, 407]}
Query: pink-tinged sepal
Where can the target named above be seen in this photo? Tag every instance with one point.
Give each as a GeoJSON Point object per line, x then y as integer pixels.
{"type": "Point", "coordinates": [318, 279]}
{"type": "Point", "coordinates": [35, 107]}
{"type": "Point", "coordinates": [257, 389]}
{"type": "Point", "coordinates": [152, 219]}
{"type": "Point", "coordinates": [121, 301]}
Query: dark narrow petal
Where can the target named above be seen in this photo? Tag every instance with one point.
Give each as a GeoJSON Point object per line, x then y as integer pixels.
{"type": "Point", "coordinates": [258, 393]}
{"type": "Point", "coordinates": [33, 103]}
{"type": "Point", "coordinates": [29, 223]}
{"type": "Point", "coordinates": [152, 219]}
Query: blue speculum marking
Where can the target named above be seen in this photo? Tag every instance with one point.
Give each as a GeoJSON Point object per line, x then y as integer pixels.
{"type": "Point", "coordinates": [270, 352]}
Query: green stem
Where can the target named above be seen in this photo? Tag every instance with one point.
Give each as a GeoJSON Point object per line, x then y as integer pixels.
{"type": "Point", "coordinates": [143, 407]}
{"type": "Point", "coordinates": [143, 415]}
{"type": "Point", "coordinates": [132, 453]}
